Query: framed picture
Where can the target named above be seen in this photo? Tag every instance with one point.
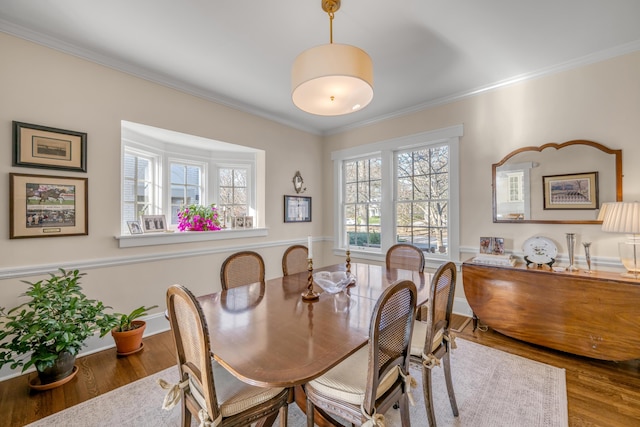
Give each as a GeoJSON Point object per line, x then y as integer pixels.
{"type": "Point", "coordinates": [486, 246]}
{"type": "Point", "coordinates": [492, 245]}
{"type": "Point", "coordinates": [36, 146]}
{"type": "Point", "coordinates": [248, 222]}
{"type": "Point", "coordinates": [134, 227]}
{"type": "Point", "coordinates": [297, 209]}
{"type": "Point", "coordinates": [573, 191]}
{"type": "Point", "coordinates": [153, 223]}
{"type": "Point", "coordinates": [47, 206]}
{"type": "Point", "coordinates": [238, 222]}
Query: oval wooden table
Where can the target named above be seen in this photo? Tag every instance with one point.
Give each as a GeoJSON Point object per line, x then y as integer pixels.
{"type": "Point", "coordinates": [266, 335]}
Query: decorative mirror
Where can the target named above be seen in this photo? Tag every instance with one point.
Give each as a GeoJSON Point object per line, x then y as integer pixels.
{"type": "Point", "coordinates": [556, 183]}
{"type": "Point", "coordinates": [298, 182]}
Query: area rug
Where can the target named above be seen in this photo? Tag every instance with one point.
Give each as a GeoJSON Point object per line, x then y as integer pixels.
{"type": "Point", "coordinates": [492, 388]}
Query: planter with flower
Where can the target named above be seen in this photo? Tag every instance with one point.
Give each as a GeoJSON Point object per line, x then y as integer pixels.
{"type": "Point", "coordinates": [199, 218]}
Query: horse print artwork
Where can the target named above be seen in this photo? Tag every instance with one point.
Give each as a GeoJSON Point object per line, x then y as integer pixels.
{"type": "Point", "coordinates": [50, 205]}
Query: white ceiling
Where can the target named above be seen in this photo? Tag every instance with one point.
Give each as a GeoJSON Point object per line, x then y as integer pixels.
{"type": "Point", "coordinates": [240, 52]}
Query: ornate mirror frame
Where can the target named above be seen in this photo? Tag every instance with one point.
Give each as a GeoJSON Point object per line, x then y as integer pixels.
{"type": "Point", "coordinates": [618, 180]}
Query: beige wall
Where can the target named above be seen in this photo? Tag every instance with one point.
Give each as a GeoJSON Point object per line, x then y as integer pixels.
{"type": "Point", "coordinates": [46, 87]}
{"type": "Point", "coordinates": [598, 102]}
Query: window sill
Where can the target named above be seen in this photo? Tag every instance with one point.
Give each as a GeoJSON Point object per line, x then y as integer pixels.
{"type": "Point", "coordinates": [170, 238]}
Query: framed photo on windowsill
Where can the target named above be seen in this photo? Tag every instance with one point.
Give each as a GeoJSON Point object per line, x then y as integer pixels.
{"type": "Point", "coordinates": [297, 209]}
{"type": "Point", "coordinates": [36, 146]}
{"type": "Point", "coordinates": [47, 206]}
{"type": "Point", "coordinates": [154, 223]}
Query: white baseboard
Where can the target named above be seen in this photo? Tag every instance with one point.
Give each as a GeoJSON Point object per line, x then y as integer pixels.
{"type": "Point", "coordinates": [156, 323]}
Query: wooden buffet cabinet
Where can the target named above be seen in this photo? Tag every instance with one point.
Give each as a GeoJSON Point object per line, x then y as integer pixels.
{"type": "Point", "coordinates": [589, 314]}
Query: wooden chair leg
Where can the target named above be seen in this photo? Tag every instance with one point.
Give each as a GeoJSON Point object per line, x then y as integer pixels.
{"type": "Point", "coordinates": [309, 413]}
{"type": "Point", "coordinates": [404, 411]}
{"type": "Point", "coordinates": [284, 413]}
{"type": "Point", "coordinates": [428, 396]}
{"type": "Point", "coordinates": [186, 416]}
{"type": "Point", "coordinates": [447, 377]}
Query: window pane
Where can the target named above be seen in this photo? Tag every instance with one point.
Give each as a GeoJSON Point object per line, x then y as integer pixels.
{"type": "Point", "coordinates": [177, 174]}
{"type": "Point", "coordinates": [351, 193]}
{"type": "Point", "coordinates": [193, 176]}
{"type": "Point", "coordinates": [240, 178]}
{"type": "Point", "coordinates": [225, 177]}
{"type": "Point", "coordinates": [350, 172]}
{"type": "Point", "coordinates": [240, 196]}
{"type": "Point", "coordinates": [226, 196]}
{"type": "Point", "coordinates": [422, 198]}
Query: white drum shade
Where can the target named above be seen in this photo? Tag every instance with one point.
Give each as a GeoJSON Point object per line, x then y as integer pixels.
{"type": "Point", "coordinates": [332, 79]}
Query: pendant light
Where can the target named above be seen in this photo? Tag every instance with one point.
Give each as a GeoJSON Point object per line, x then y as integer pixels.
{"type": "Point", "coordinates": [332, 79]}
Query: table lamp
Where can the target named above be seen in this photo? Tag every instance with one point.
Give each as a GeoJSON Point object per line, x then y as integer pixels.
{"type": "Point", "coordinates": [624, 217]}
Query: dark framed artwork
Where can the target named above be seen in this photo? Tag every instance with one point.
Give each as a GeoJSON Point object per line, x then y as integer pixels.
{"type": "Point", "coordinates": [571, 191]}
{"type": "Point", "coordinates": [297, 209]}
{"type": "Point", "coordinates": [47, 206]}
{"type": "Point", "coordinates": [44, 147]}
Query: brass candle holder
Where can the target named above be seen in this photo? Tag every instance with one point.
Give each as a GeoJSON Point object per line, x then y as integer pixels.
{"type": "Point", "coordinates": [348, 261]}
{"type": "Point", "coordinates": [310, 294]}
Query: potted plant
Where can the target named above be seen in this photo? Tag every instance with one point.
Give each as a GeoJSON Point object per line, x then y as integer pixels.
{"type": "Point", "coordinates": [49, 330]}
{"type": "Point", "coordinates": [198, 218]}
{"type": "Point", "coordinates": [127, 334]}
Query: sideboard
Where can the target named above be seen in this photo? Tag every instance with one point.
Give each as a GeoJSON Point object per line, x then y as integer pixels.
{"type": "Point", "coordinates": [589, 314]}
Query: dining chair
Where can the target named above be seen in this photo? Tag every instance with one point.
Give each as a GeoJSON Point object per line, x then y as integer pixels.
{"type": "Point", "coordinates": [207, 390]}
{"type": "Point", "coordinates": [294, 260]}
{"type": "Point", "coordinates": [409, 257]}
{"type": "Point", "coordinates": [432, 339]}
{"type": "Point", "coordinates": [361, 388]}
{"type": "Point", "coordinates": [405, 256]}
{"type": "Point", "coordinates": [242, 268]}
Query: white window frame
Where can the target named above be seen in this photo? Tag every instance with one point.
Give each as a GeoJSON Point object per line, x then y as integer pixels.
{"type": "Point", "coordinates": [449, 136]}
{"type": "Point", "coordinates": [210, 160]}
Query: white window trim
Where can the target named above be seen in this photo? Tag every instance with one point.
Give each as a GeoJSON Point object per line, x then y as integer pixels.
{"type": "Point", "coordinates": [252, 160]}
{"type": "Point", "coordinates": [386, 149]}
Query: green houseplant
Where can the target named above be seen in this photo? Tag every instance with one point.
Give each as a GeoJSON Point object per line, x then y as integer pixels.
{"type": "Point", "coordinates": [128, 331]}
{"type": "Point", "coordinates": [49, 329]}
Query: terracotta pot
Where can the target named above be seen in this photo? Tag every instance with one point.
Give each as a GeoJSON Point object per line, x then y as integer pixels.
{"type": "Point", "coordinates": [62, 368]}
{"type": "Point", "coordinates": [129, 342]}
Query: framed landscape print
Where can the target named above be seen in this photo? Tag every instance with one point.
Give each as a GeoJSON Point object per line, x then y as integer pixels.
{"type": "Point", "coordinates": [47, 206]}
{"type": "Point", "coordinates": [572, 191]}
{"type": "Point", "coordinates": [38, 146]}
{"type": "Point", "coordinates": [297, 209]}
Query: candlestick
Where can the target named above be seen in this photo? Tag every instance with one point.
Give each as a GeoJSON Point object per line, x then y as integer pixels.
{"type": "Point", "coordinates": [310, 247]}
{"type": "Point", "coordinates": [310, 294]}
{"type": "Point", "coordinates": [587, 255]}
{"type": "Point", "coordinates": [571, 242]}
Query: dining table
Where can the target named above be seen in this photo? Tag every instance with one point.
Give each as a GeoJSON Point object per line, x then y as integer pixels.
{"type": "Point", "coordinates": [266, 334]}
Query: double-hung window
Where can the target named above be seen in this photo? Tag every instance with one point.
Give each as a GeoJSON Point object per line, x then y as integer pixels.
{"type": "Point", "coordinates": [402, 190]}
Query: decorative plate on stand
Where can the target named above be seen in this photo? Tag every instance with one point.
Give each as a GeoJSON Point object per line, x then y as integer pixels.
{"type": "Point", "coordinates": [539, 250]}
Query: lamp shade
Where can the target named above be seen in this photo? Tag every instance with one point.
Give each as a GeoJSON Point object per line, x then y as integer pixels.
{"type": "Point", "coordinates": [332, 79]}
{"type": "Point", "coordinates": [621, 217]}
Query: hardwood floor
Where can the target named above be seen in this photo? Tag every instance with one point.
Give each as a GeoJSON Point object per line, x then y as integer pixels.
{"type": "Point", "coordinates": [603, 394]}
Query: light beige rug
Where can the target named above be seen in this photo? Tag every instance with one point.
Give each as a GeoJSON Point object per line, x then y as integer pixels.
{"type": "Point", "coordinates": [493, 389]}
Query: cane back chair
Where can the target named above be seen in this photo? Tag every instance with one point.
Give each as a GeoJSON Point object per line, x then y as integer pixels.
{"type": "Point", "coordinates": [432, 339]}
{"type": "Point", "coordinates": [207, 390]}
{"type": "Point", "coordinates": [365, 385]}
{"type": "Point", "coordinates": [294, 260]}
{"type": "Point", "coordinates": [242, 268]}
